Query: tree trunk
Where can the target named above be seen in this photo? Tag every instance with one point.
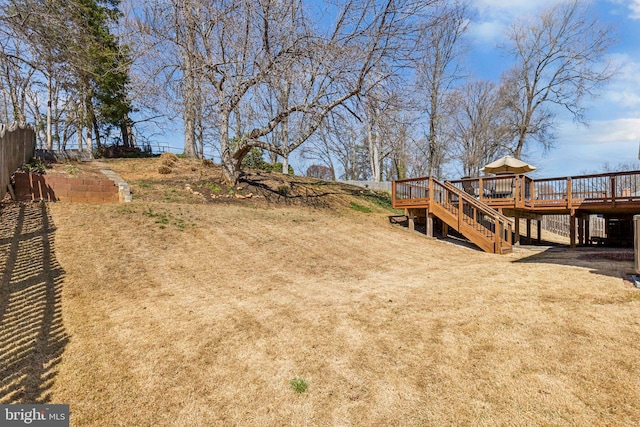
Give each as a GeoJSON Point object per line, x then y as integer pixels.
{"type": "Point", "coordinates": [434, 149]}
{"type": "Point", "coordinates": [89, 140]}
{"type": "Point", "coordinates": [285, 146]}
{"type": "Point", "coordinates": [190, 149]}
{"type": "Point", "coordinates": [285, 129]}
{"type": "Point", "coordinates": [49, 145]}
{"type": "Point", "coordinates": [230, 165]}
{"type": "Point", "coordinates": [189, 89]}
{"type": "Point", "coordinates": [374, 152]}
{"type": "Point", "coordinates": [57, 133]}
{"type": "Point", "coordinates": [230, 168]}
{"type": "Point", "coordinates": [124, 131]}
{"type": "Point", "coordinates": [80, 138]}
{"type": "Point", "coordinates": [521, 137]}
{"type": "Point", "coordinates": [96, 131]}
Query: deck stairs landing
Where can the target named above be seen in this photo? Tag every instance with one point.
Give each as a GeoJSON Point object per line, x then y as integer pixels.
{"type": "Point", "coordinates": [477, 221]}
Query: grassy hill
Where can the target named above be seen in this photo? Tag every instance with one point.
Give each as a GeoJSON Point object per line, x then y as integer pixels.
{"type": "Point", "coordinates": [185, 309]}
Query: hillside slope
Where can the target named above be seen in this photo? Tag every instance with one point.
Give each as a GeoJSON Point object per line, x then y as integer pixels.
{"type": "Point", "coordinates": [189, 312]}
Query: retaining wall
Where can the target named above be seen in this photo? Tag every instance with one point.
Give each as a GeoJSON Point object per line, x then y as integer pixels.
{"type": "Point", "coordinates": [30, 186]}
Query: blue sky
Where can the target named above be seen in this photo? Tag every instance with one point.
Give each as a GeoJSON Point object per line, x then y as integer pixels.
{"type": "Point", "coordinates": [613, 134]}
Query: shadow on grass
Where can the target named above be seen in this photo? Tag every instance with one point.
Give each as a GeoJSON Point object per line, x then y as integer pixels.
{"type": "Point", "coordinates": [310, 192]}
{"type": "Point", "coordinates": [612, 262]}
{"type": "Point", "coordinates": [32, 336]}
{"type": "Point", "coordinates": [457, 238]}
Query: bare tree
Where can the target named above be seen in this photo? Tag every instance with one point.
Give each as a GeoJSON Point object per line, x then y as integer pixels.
{"type": "Point", "coordinates": [329, 68]}
{"type": "Point", "coordinates": [399, 133]}
{"type": "Point", "coordinates": [320, 148]}
{"type": "Point", "coordinates": [242, 48]}
{"type": "Point", "coordinates": [379, 105]}
{"type": "Point", "coordinates": [437, 71]}
{"type": "Point", "coordinates": [339, 142]}
{"type": "Point", "coordinates": [560, 62]}
{"type": "Point", "coordinates": [478, 128]}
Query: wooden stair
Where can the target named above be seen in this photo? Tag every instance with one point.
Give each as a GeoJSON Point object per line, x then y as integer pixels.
{"type": "Point", "coordinates": [475, 220]}
{"type": "Point", "coordinates": [480, 223]}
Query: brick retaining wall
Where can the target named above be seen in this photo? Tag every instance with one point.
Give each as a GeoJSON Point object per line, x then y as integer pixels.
{"type": "Point", "coordinates": [30, 186]}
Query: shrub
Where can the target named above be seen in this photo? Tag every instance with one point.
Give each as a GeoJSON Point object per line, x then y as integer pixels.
{"type": "Point", "coordinates": [208, 163]}
{"type": "Point", "coordinates": [320, 172]}
{"type": "Point", "coordinates": [167, 162]}
{"type": "Point", "coordinates": [36, 165]}
{"type": "Point", "coordinates": [277, 167]}
{"type": "Point", "coordinates": [283, 190]}
{"type": "Point", "coordinates": [168, 158]}
{"type": "Point", "coordinates": [115, 151]}
{"type": "Point", "coordinates": [164, 169]}
{"type": "Point", "coordinates": [254, 160]}
{"type": "Point", "coordinates": [212, 186]}
{"type": "Point", "coordinates": [72, 169]}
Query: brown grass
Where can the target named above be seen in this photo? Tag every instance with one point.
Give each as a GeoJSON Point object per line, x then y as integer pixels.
{"type": "Point", "coordinates": [197, 312]}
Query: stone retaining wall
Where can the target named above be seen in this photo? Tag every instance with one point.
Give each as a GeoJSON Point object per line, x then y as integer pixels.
{"type": "Point", "coordinates": [30, 186]}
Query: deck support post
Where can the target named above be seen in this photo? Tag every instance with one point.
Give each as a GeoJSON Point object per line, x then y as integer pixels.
{"type": "Point", "coordinates": [529, 229]}
{"type": "Point", "coordinates": [539, 231]}
{"type": "Point", "coordinates": [429, 223]}
{"type": "Point", "coordinates": [412, 219]}
{"type": "Point", "coordinates": [587, 234]}
{"type": "Point", "coordinates": [572, 229]}
{"type": "Point", "coordinates": [581, 230]}
{"type": "Point", "coordinates": [516, 240]}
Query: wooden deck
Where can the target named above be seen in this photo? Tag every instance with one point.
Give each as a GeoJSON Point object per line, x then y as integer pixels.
{"type": "Point", "coordinates": [614, 195]}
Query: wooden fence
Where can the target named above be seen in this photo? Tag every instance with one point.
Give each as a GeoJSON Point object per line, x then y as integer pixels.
{"type": "Point", "coordinates": [17, 146]}
{"type": "Point", "coordinates": [559, 224]}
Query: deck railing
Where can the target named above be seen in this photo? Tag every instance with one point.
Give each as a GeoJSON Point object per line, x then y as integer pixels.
{"type": "Point", "coordinates": [463, 203]}
{"type": "Point", "coordinates": [567, 192]}
{"type": "Point", "coordinates": [410, 191]}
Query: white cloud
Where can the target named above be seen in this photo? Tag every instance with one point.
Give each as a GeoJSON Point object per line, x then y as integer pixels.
{"type": "Point", "coordinates": [512, 7]}
{"type": "Point", "coordinates": [487, 32]}
{"type": "Point", "coordinates": [493, 17]}
{"type": "Point", "coordinates": [635, 9]}
{"type": "Point", "coordinates": [580, 149]}
{"type": "Point", "coordinates": [601, 132]}
{"type": "Point", "coordinates": [623, 92]}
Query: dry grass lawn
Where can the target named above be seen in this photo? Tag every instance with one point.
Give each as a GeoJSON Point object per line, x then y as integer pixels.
{"type": "Point", "coordinates": [190, 312]}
